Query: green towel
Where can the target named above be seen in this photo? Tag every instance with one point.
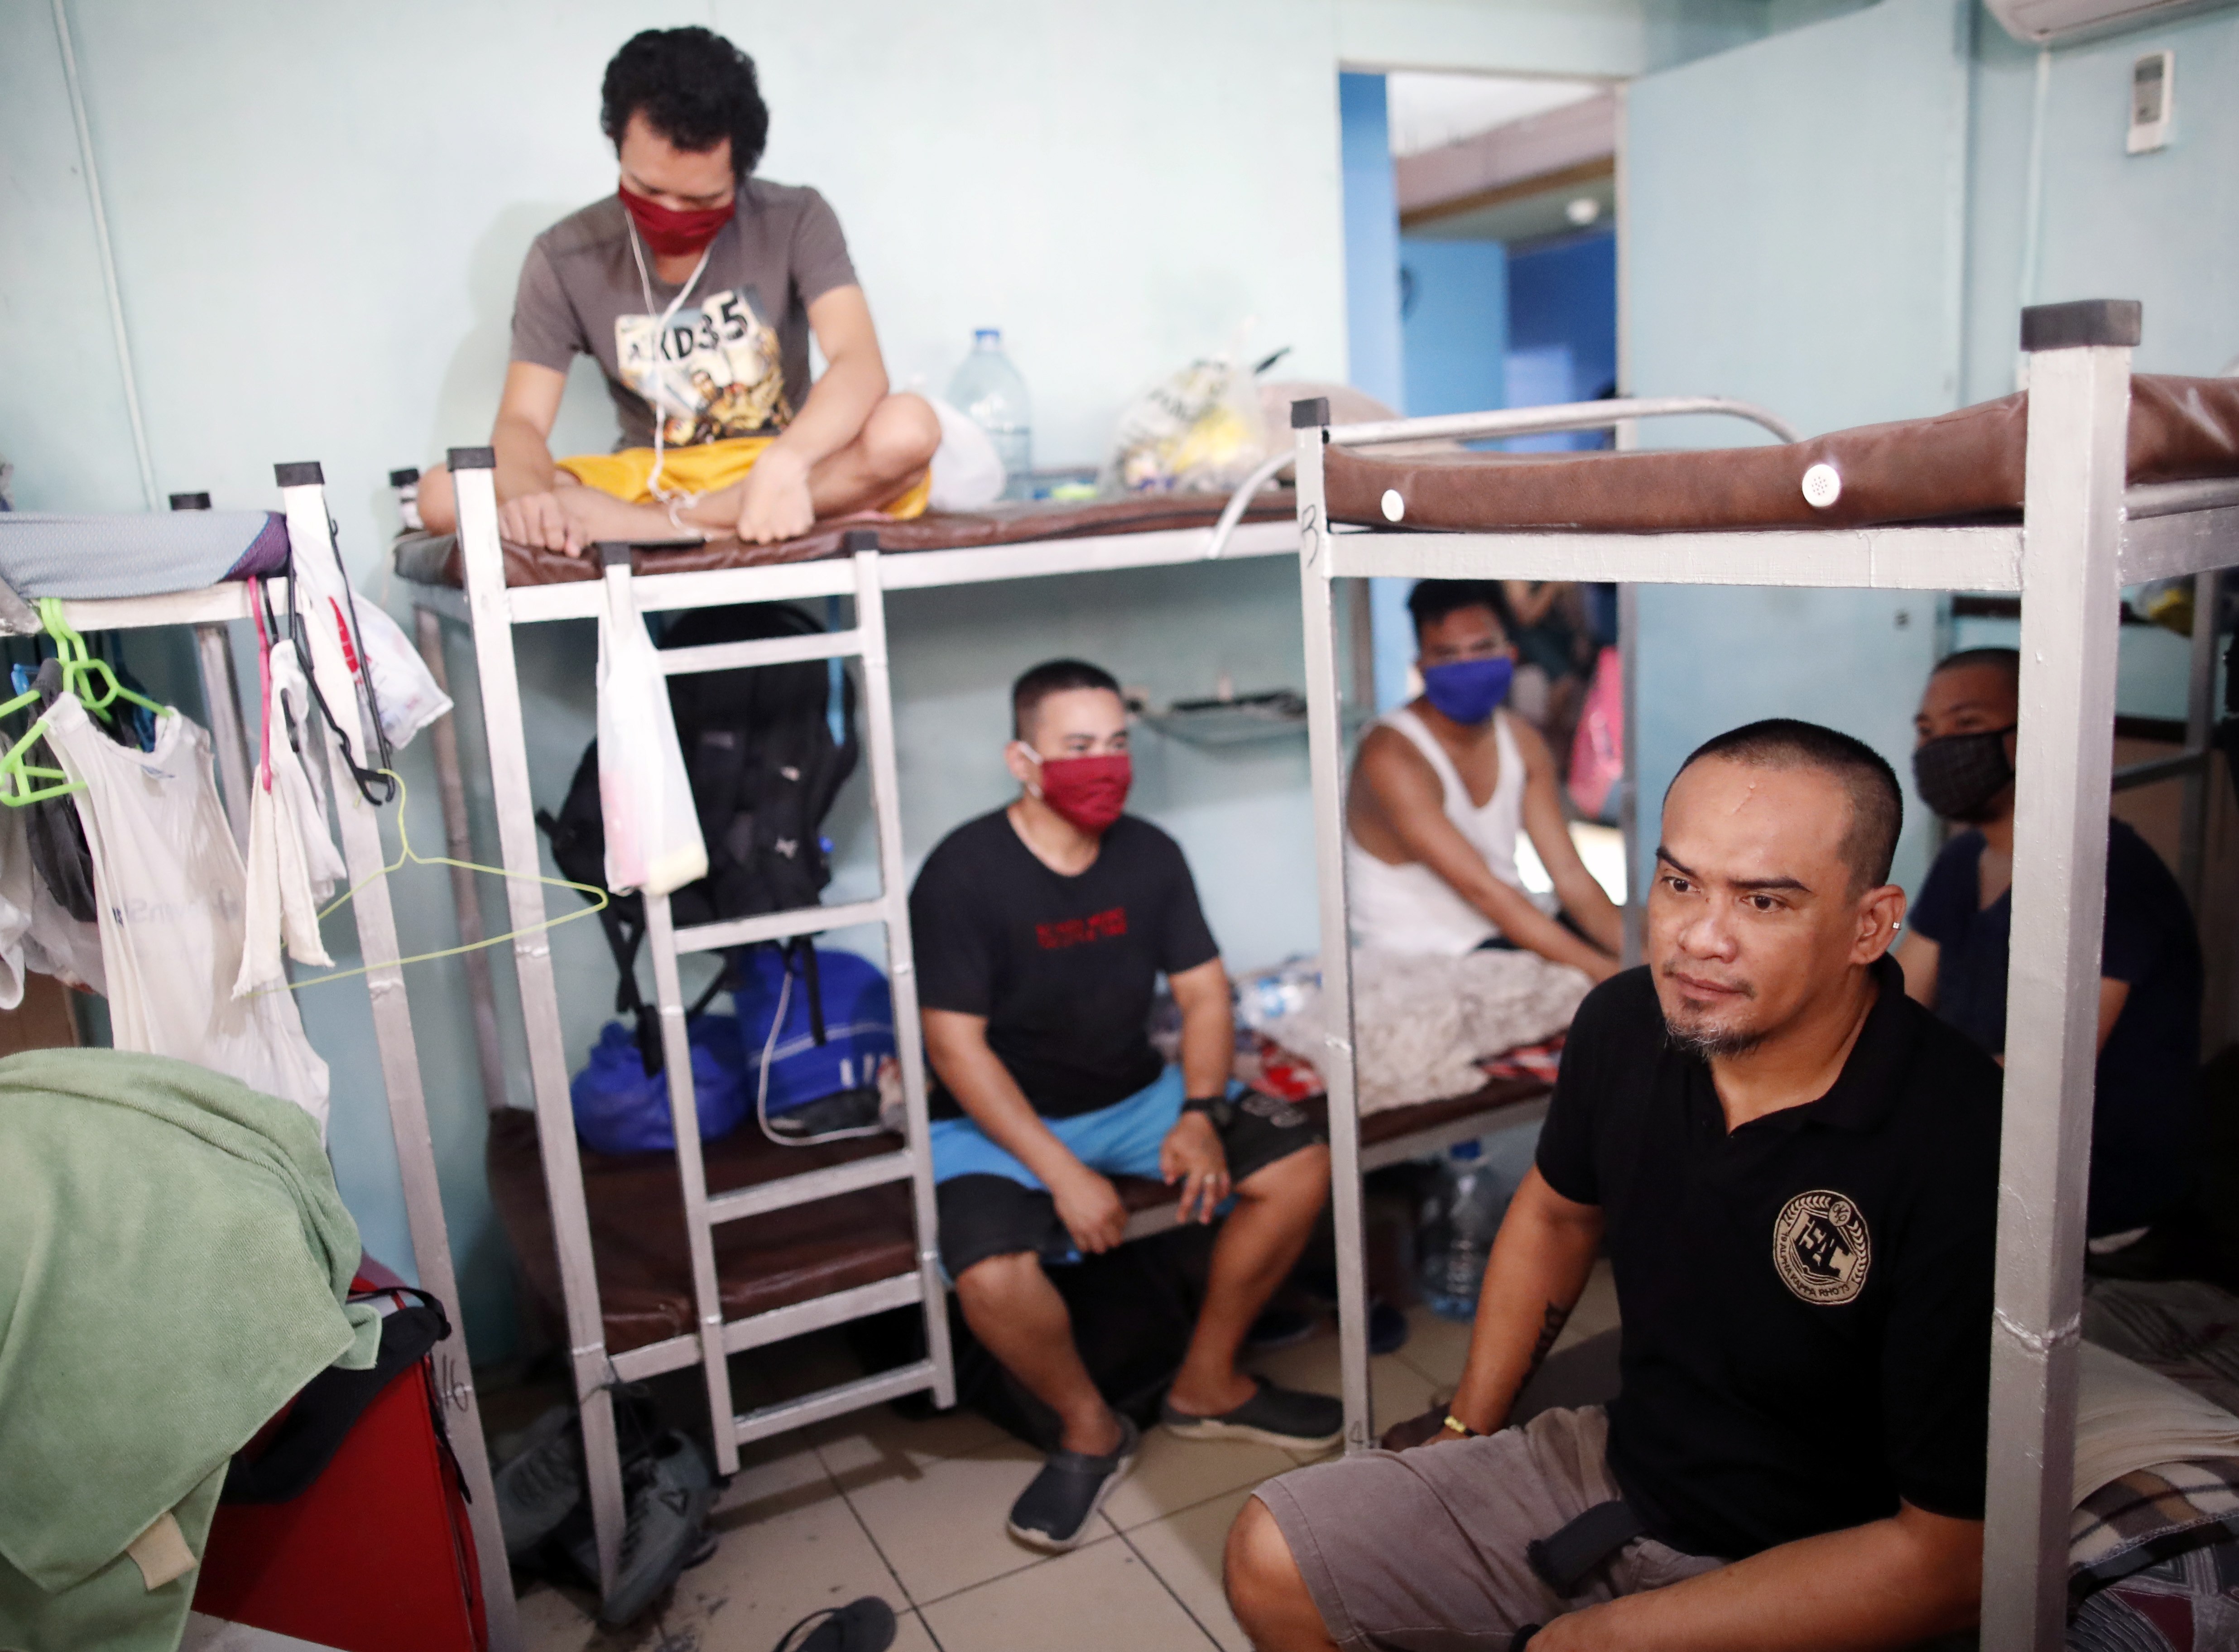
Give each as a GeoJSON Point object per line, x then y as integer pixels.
{"type": "Point", "coordinates": [174, 1264]}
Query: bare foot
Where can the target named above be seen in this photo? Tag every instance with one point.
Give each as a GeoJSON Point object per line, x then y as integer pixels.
{"type": "Point", "coordinates": [598, 517]}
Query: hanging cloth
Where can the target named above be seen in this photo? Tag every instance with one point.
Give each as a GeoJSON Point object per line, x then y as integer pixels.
{"type": "Point", "coordinates": [173, 891]}
{"type": "Point", "coordinates": [292, 864]}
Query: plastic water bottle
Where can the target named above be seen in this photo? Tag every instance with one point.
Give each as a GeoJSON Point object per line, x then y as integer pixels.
{"type": "Point", "coordinates": [1456, 1242]}
{"type": "Point", "coordinates": [988, 388]}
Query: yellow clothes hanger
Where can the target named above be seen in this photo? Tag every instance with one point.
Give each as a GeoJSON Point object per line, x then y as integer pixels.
{"type": "Point", "coordinates": [406, 854]}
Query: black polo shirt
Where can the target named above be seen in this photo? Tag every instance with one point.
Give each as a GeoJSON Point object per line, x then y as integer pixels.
{"type": "Point", "coordinates": [1806, 1301]}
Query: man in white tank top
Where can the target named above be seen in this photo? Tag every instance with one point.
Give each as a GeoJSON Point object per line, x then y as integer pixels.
{"type": "Point", "coordinates": [1439, 791]}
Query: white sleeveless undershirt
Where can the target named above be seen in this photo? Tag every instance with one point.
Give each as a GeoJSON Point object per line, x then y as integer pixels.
{"type": "Point", "coordinates": [1411, 908]}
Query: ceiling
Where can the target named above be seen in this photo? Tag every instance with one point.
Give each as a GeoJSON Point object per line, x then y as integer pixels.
{"type": "Point", "coordinates": [1428, 110]}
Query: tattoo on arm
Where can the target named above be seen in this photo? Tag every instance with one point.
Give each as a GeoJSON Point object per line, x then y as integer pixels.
{"type": "Point", "coordinates": [1551, 1327]}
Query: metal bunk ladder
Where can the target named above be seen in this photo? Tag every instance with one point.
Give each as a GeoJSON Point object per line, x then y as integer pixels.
{"type": "Point", "coordinates": [714, 1340]}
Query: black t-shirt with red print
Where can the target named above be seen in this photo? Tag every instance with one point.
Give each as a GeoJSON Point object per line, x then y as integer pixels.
{"type": "Point", "coordinates": [1806, 1299]}
{"type": "Point", "coordinates": [1063, 968]}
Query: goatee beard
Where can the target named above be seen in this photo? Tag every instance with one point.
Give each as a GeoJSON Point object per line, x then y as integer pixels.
{"type": "Point", "coordinates": [1710, 1045]}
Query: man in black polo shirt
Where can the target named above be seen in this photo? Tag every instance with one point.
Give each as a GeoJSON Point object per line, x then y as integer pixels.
{"type": "Point", "coordinates": [1040, 931]}
{"type": "Point", "coordinates": [1795, 1168]}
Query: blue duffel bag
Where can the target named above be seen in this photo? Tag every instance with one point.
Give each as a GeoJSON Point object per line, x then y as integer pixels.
{"type": "Point", "coordinates": [621, 1109]}
{"type": "Point", "coordinates": [813, 1082]}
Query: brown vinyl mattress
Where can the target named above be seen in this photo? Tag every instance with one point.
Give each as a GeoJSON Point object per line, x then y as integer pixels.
{"type": "Point", "coordinates": [433, 559]}
{"type": "Point", "coordinates": [782, 1256]}
{"type": "Point", "coordinates": [1961, 465]}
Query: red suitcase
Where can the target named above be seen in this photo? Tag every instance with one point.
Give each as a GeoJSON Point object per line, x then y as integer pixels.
{"type": "Point", "coordinates": [376, 1556]}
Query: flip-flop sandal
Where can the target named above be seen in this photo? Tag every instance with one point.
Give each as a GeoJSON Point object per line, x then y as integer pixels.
{"type": "Point", "coordinates": [865, 1625]}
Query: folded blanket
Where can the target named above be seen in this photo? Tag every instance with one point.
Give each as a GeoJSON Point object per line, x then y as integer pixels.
{"type": "Point", "coordinates": [1423, 1022]}
{"type": "Point", "coordinates": [2128, 1417]}
{"type": "Point", "coordinates": [173, 1265]}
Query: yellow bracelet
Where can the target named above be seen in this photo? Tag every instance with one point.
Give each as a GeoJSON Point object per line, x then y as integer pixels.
{"type": "Point", "coordinates": [1462, 1427]}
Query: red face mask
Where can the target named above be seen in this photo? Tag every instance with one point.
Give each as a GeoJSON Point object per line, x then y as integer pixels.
{"type": "Point", "coordinates": [1090, 791]}
{"type": "Point", "coordinates": [670, 233]}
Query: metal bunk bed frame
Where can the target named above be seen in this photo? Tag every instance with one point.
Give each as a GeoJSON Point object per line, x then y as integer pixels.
{"type": "Point", "coordinates": [491, 610]}
{"type": "Point", "coordinates": [2083, 535]}
{"type": "Point", "coordinates": [208, 612]}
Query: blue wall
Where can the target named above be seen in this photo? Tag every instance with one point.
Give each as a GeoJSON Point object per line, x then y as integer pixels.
{"type": "Point", "coordinates": [1562, 330]}
{"type": "Point", "coordinates": [1371, 240]}
{"type": "Point", "coordinates": [1455, 326]}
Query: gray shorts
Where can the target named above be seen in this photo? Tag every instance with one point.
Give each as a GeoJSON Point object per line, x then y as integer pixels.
{"type": "Point", "coordinates": [1423, 1550]}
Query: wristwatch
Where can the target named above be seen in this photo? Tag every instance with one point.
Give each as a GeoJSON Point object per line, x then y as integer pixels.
{"type": "Point", "coordinates": [1218, 1109]}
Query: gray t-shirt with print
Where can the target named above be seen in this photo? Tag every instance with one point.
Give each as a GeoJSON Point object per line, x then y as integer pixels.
{"type": "Point", "coordinates": [732, 361]}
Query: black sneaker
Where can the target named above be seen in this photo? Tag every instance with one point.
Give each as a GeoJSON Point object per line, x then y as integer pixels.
{"type": "Point", "coordinates": [1387, 1327]}
{"type": "Point", "coordinates": [665, 1531]}
{"type": "Point", "coordinates": [1054, 1512]}
{"type": "Point", "coordinates": [541, 1484]}
{"type": "Point", "coordinates": [1273, 1416]}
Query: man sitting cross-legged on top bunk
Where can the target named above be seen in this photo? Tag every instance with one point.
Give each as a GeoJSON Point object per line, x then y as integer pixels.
{"type": "Point", "coordinates": [1439, 790]}
{"type": "Point", "coordinates": [1794, 1167]}
{"type": "Point", "coordinates": [696, 287]}
{"type": "Point", "coordinates": [1040, 932]}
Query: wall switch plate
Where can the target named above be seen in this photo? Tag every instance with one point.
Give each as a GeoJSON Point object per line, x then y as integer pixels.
{"type": "Point", "coordinates": [2153, 101]}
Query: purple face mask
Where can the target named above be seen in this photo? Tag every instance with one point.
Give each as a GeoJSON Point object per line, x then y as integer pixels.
{"type": "Point", "coordinates": [1469, 691]}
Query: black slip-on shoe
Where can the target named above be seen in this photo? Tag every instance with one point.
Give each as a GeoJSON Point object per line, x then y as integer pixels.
{"type": "Point", "coordinates": [1054, 1512]}
{"type": "Point", "coordinates": [1273, 1416]}
{"type": "Point", "coordinates": [865, 1625]}
{"type": "Point", "coordinates": [1281, 1328]}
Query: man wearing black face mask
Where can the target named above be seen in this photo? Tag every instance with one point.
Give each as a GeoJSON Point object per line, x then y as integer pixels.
{"type": "Point", "coordinates": [1955, 954]}
{"type": "Point", "coordinates": [1442, 787]}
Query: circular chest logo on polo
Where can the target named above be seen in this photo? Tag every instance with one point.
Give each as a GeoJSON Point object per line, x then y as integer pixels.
{"type": "Point", "coordinates": [1821, 1248]}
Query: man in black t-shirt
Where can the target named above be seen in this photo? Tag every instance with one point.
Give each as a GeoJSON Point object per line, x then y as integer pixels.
{"type": "Point", "coordinates": [1794, 1168]}
{"type": "Point", "coordinates": [1040, 931]}
{"type": "Point", "coordinates": [1955, 950]}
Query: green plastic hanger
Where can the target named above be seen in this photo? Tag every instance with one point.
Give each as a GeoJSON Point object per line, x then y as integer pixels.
{"type": "Point", "coordinates": [80, 668]}
{"type": "Point", "coordinates": [21, 779]}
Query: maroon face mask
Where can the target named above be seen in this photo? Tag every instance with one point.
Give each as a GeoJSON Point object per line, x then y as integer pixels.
{"type": "Point", "coordinates": [671, 233]}
{"type": "Point", "coordinates": [1090, 791]}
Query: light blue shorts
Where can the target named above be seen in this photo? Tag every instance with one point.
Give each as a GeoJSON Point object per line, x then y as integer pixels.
{"type": "Point", "coordinates": [1122, 1140]}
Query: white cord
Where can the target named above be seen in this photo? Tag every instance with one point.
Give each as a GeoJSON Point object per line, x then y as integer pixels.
{"type": "Point", "coordinates": [108, 258]}
{"type": "Point", "coordinates": [761, 1081]}
{"type": "Point", "coordinates": [683, 497]}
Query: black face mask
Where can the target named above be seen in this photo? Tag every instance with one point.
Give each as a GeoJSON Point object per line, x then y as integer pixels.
{"type": "Point", "coordinates": [1957, 775]}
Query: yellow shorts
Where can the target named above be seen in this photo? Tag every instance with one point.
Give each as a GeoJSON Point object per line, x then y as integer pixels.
{"type": "Point", "coordinates": [704, 468]}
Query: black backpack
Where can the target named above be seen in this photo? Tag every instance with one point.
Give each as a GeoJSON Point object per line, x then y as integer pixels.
{"type": "Point", "coordinates": [765, 768]}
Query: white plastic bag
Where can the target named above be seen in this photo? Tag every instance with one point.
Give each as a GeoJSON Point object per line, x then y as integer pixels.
{"type": "Point", "coordinates": [645, 797]}
{"type": "Point", "coordinates": [967, 472]}
{"type": "Point", "coordinates": [402, 682]}
{"type": "Point", "coordinates": [1198, 431]}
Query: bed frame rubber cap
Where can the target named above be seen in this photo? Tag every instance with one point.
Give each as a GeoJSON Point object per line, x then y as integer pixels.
{"type": "Point", "coordinates": [190, 502]}
{"type": "Point", "coordinates": [304, 475]}
{"type": "Point", "coordinates": [2087, 322]}
{"type": "Point", "coordinates": [613, 552]}
{"type": "Point", "coordinates": [473, 459]}
{"type": "Point", "coordinates": [1310, 414]}
{"type": "Point", "coordinates": [859, 539]}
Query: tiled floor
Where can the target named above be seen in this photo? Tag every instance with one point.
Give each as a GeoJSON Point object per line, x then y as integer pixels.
{"type": "Point", "coordinates": [873, 1504]}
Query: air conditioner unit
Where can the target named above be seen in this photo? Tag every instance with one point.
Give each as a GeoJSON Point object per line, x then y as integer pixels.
{"type": "Point", "coordinates": [2041, 22]}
